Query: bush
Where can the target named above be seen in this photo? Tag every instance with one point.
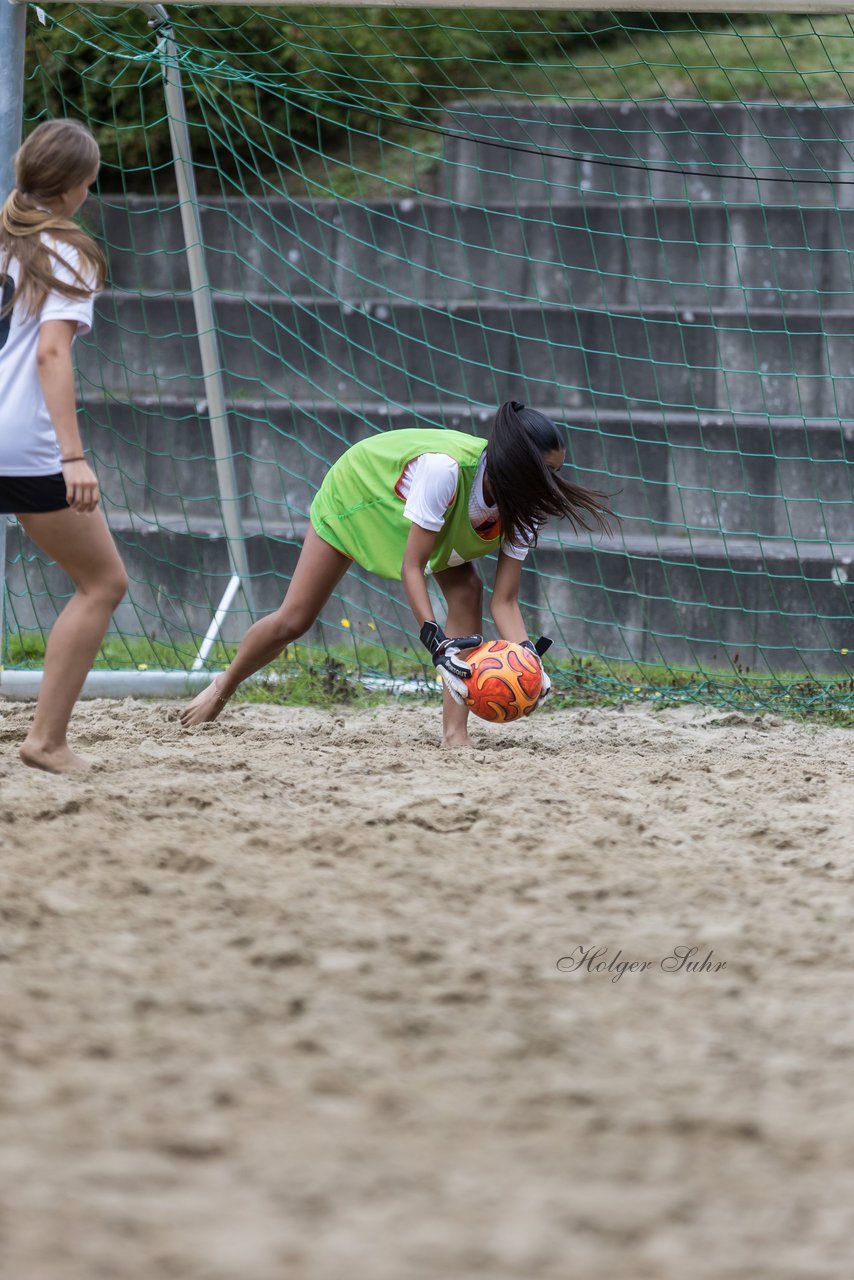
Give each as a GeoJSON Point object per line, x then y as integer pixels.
{"type": "Point", "coordinates": [262, 83]}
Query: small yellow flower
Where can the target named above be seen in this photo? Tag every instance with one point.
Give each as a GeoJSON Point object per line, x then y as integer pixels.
{"type": "Point", "coordinates": [371, 627]}
{"type": "Point", "coordinates": [843, 650]}
{"type": "Point", "coordinates": [345, 622]}
{"type": "Point", "coordinates": [141, 666]}
{"type": "Point", "coordinates": [637, 690]}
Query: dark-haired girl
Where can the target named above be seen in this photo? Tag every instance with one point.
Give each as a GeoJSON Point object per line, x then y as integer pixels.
{"type": "Point", "coordinates": [406, 503]}
{"type": "Point", "coordinates": [50, 271]}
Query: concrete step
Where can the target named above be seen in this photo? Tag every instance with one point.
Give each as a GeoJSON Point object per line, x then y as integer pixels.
{"type": "Point", "coordinates": [765, 153]}
{"type": "Point", "coordinates": [700, 473]}
{"type": "Point", "coordinates": [308, 349]}
{"type": "Point", "coordinates": [593, 254]}
{"type": "Point", "coordinates": [768, 605]}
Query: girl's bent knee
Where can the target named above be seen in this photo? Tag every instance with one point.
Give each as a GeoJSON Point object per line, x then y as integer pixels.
{"type": "Point", "coordinates": [116, 588]}
{"type": "Point", "coordinates": [109, 591]}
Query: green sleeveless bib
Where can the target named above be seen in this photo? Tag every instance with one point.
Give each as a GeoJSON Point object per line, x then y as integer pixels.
{"type": "Point", "coordinates": [359, 511]}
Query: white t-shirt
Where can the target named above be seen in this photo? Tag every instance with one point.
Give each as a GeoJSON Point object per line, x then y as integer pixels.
{"type": "Point", "coordinates": [28, 444]}
{"type": "Point", "coordinates": [429, 483]}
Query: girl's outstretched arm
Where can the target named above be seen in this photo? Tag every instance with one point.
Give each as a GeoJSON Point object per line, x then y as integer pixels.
{"type": "Point", "coordinates": [419, 548]}
{"type": "Point", "coordinates": [504, 605]}
{"type": "Point", "coordinates": [508, 616]}
{"type": "Point", "coordinates": [443, 649]}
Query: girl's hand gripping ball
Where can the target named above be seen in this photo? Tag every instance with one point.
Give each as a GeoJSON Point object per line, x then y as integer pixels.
{"type": "Point", "coordinates": [445, 652]}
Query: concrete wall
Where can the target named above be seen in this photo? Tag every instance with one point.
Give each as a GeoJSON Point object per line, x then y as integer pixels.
{"type": "Point", "coordinates": [592, 253]}
{"type": "Point", "coordinates": [762, 154]}
{"type": "Point", "coordinates": [312, 350]}
{"type": "Point", "coordinates": [677, 474]}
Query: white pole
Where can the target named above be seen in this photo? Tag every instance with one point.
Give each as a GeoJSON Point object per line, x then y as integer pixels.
{"type": "Point", "coordinates": [13, 30]}
{"type": "Point", "coordinates": [21, 686]}
{"type": "Point", "coordinates": [216, 622]}
{"type": "Point", "coordinates": [202, 302]}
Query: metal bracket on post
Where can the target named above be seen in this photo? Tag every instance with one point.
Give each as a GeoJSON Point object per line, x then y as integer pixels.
{"type": "Point", "coordinates": [205, 324]}
{"type": "Point", "coordinates": [13, 31]}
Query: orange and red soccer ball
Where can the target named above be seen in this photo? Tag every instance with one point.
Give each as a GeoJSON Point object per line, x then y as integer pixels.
{"type": "Point", "coordinates": [505, 683]}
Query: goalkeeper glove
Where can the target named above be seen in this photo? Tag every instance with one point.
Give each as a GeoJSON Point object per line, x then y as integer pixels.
{"type": "Point", "coordinates": [445, 653]}
{"type": "Point", "coordinates": [541, 647]}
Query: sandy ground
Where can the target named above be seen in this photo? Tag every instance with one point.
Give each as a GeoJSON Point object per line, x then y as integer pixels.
{"type": "Point", "coordinates": [280, 999]}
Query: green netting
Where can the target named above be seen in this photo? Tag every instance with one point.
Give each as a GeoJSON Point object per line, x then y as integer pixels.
{"type": "Point", "coordinates": [642, 228]}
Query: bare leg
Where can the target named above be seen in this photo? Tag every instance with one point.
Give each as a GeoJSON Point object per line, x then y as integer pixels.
{"type": "Point", "coordinates": [319, 570]}
{"type": "Point", "coordinates": [463, 589]}
{"type": "Point", "coordinates": [83, 546]}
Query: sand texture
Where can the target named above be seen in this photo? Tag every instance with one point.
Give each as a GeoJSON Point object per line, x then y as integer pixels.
{"type": "Point", "coordinates": [280, 999]}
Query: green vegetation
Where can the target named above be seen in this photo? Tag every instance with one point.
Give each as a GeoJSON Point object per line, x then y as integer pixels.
{"type": "Point", "coordinates": [592, 681]}
{"type": "Point", "coordinates": [342, 88]}
{"type": "Point", "coordinates": [324, 683]}
{"type": "Point", "coordinates": [751, 59]}
{"type": "Point", "coordinates": [117, 653]}
{"type": "Point", "coordinates": [317, 69]}
{"type": "Point", "coordinates": [309, 675]}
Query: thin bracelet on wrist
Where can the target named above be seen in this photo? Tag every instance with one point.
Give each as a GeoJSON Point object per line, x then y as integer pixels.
{"type": "Point", "coordinates": [78, 457]}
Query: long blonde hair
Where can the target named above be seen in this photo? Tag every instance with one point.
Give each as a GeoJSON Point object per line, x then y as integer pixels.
{"type": "Point", "coordinates": [57, 155]}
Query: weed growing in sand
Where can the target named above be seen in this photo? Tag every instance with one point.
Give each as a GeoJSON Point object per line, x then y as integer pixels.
{"type": "Point", "coordinates": [324, 684]}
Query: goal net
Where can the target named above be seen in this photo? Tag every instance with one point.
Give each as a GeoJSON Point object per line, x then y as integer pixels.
{"type": "Point", "coordinates": [638, 224]}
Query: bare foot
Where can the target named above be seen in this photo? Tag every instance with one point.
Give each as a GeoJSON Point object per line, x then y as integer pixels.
{"type": "Point", "coordinates": [458, 740]}
{"type": "Point", "coordinates": [54, 759]}
{"type": "Point", "coordinates": [205, 707]}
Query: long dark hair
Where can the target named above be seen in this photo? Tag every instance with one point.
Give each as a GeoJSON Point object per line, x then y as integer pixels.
{"type": "Point", "coordinates": [525, 489]}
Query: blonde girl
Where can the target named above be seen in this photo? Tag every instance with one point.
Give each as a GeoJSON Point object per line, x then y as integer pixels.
{"type": "Point", "coordinates": [50, 272]}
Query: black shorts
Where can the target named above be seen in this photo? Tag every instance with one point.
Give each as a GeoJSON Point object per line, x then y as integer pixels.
{"type": "Point", "coordinates": [32, 493]}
